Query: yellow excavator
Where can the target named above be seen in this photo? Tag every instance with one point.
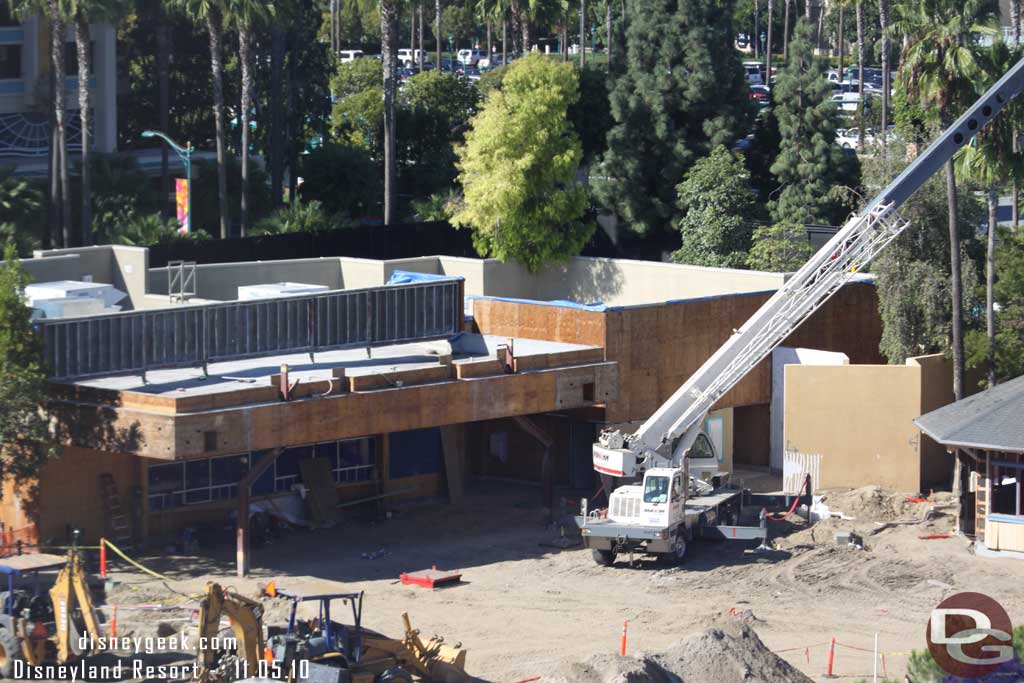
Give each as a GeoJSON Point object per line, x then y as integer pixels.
{"type": "Point", "coordinates": [38, 631]}
{"type": "Point", "coordinates": [319, 649]}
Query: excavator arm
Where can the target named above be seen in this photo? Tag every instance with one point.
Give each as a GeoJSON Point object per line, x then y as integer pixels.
{"type": "Point", "coordinates": [664, 439]}
{"type": "Point", "coordinates": [70, 591]}
{"type": "Point", "coordinates": [246, 620]}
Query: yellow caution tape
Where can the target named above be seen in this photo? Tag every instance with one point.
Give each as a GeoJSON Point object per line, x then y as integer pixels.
{"type": "Point", "coordinates": [134, 563]}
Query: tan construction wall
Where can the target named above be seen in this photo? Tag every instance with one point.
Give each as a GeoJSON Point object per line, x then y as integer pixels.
{"type": "Point", "coordinates": [875, 442]}
{"type": "Point", "coordinates": [70, 492]}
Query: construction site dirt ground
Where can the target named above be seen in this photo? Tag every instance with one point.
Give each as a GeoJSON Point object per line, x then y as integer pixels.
{"type": "Point", "coordinates": [524, 609]}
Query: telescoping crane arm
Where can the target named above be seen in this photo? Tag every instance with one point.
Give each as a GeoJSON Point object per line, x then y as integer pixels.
{"type": "Point", "coordinates": [667, 435]}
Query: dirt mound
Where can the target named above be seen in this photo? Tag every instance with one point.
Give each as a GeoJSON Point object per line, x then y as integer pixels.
{"type": "Point", "coordinates": [729, 652]}
{"type": "Point", "coordinates": [872, 504]}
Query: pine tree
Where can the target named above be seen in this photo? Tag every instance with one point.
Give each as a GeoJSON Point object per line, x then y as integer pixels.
{"type": "Point", "coordinates": [682, 92]}
{"type": "Point", "coordinates": [809, 161]}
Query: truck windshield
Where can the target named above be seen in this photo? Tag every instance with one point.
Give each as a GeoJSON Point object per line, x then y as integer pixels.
{"type": "Point", "coordinates": [656, 490]}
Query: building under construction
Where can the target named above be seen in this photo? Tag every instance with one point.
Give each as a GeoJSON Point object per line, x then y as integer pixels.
{"type": "Point", "coordinates": [401, 379]}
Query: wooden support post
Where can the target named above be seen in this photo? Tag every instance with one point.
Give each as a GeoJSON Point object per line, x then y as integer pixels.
{"type": "Point", "coordinates": [242, 541]}
{"type": "Point", "coordinates": [547, 471]}
{"type": "Point", "coordinates": [453, 443]}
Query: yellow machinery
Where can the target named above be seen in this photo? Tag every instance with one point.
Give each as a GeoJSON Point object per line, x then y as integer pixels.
{"type": "Point", "coordinates": [318, 649]}
{"type": "Point", "coordinates": [247, 624]}
{"type": "Point", "coordinates": [39, 632]}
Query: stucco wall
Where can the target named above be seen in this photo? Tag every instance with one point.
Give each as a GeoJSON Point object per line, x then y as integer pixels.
{"type": "Point", "coordinates": [874, 441]}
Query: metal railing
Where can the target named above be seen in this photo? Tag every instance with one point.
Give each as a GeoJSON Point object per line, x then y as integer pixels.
{"type": "Point", "coordinates": [194, 336]}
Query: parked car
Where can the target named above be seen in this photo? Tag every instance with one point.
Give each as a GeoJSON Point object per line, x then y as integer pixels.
{"type": "Point", "coordinates": [471, 57]}
{"type": "Point", "coordinates": [350, 55]}
{"type": "Point", "coordinates": [470, 72]}
{"type": "Point", "coordinates": [759, 94]}
{"type": "Point", "coordinates": [409, 57]}
{"type": "Point", "coordinates": [755, 72]}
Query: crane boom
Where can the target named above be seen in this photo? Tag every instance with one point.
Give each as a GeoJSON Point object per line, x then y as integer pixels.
{"type": "Point", "coordinates": [667, 434]}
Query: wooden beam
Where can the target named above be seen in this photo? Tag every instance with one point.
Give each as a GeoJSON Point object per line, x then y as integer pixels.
{"type": "Point", "coordinates": [242, 540]}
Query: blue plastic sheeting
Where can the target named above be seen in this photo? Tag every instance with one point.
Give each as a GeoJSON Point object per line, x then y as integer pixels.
{"type": "Point", "coordinates": [597, 307]}
{"type": "Point", "coordinates": [405, 277]}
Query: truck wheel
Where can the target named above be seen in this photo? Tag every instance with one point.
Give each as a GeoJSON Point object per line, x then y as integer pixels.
{"type": "Point", "coordinates": [678, 550]}
{"type": "Point", "coordinates": [605, 558]}
{"type": "Point", "coordinates": [10, 650]}
{"type": "Point", "coordinates": [394, 675]}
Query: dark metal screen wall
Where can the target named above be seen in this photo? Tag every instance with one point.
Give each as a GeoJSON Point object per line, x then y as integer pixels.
{"type": "Point", "coordinates": [195, 335]}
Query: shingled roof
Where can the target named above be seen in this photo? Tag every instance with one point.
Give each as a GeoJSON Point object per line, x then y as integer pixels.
{"type": "Point", "coordinates": [992, 420]}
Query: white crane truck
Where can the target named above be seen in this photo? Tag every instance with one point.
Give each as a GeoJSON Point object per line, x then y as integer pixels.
{"type": "Point", "coordinates": [667, 505]}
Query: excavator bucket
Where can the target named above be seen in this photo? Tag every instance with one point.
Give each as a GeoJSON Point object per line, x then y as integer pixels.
{"type": "Point", "coordinates": [434, 655]}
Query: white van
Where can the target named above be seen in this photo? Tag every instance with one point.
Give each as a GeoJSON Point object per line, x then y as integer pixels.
{"type": "Point", "coordinates": [349, 55]}
{"type": "Point", "coordinates": [409, 58]}
{"type": "Point", "coordinates": [469, 57]}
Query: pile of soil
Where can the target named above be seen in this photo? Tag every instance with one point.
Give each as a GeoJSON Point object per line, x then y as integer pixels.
{"type": "Point", "coordinates": [729, 652]}
{"type": "Point", "coordinates": [872, 504]}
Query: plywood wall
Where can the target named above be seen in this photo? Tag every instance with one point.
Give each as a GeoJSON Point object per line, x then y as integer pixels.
{"type": "Point", "coordinates": [659, 346]}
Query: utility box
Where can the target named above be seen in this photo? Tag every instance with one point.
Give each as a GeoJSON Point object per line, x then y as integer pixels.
{"type": "Point", "coordinates": [72, 299]}
{"type": "Point", "coordinates": [274, 290]}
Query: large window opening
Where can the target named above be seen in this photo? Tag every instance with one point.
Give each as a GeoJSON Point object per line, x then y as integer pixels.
{"type": "Point", "coordinates": [1007, 491]}
{"type": "Point", "coordinates": [195, 482]}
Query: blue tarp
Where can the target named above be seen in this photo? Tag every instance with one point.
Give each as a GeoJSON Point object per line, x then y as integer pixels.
{"type": "Point", "coordinates": [597, 307]}
{"type": "Point", "coordinates": [405, 277]}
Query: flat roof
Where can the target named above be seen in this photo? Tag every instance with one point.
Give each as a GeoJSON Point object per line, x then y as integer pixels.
{"type": "Point", "coordinates": [246, 373]}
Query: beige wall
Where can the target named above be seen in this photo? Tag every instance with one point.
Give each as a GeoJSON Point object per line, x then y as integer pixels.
{"type": "Point", "coordinates": [875, 442]}
{"type": "Point", "coordinates": [616, 282]}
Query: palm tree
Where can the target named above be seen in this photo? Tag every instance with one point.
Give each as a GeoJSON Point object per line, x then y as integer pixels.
{"type": "Point", "coordinates": [211, 13]}
{"type": "Point", "coordinates": [940, 65]}
{"type": "Point", "coordinates": [861, 58]}
{"type": "Point", "coordinates": [82, 13]}
{"type": "Point", "coordinates": [437, 31]}
{"type": "Point", "coordinates": [245, 15]}
{"type": "Point", "coordinates": [883, 22]}
{"type": "Point", "coordinates": [389, 51]}
{"type": "Point", "coordinates": [785, 32]}
{"type": "Point", "coordinates": [163, 76]}
{"type": "Point", "coordinates": [991, 160]}
{"type": "Point", "coordinates": [768, 45]}
{"type": "Point", "coordinates": [583, 33]}
{"type": "Point", "coordinates": [841, 6]}
{"type": "Point", "coordinates": [57, 197]}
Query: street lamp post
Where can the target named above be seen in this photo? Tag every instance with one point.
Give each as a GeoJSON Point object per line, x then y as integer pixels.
{"type": "Point", "coordinates": [185, 154]}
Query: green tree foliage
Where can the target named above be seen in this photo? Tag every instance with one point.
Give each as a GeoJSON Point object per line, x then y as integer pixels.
{"type": "Point", "coordinates": [718, 207]}
{"type": "Point", "coordinates": [146, 230]}
{"type": "Point", "coordinates": [518, 168]}
{"type": "Point", "coordinates": [434, 110]}
{"type": "Point", "coordinates": [1009, 294]}
{"type": "Point", "coordinates": [356, 76]}
{"type": "Point", "coordinates": [121, 193]}
{"type": "Point", "coordinates": [780, 248]}
{"type": "Point", "coordinates": [913, 272]}
{"type": "Point", "coordinates": [682, 93]}
{"type": "Point", "coordinates": [590, 115]}
{"type": "Point", "coordinates": [25, 441]}
{"type": "Point", "coordinates": [204, 192]}
{"type": "Point", "coordinates": [344, 179]}
{"type": "Point", "coordinates": [492, 80]}
{"type": "Point", "coordinates": [433, 114]}
{"type": "Point", "coordinates": [21, 207]}
{"type": "Point", "coordinates": [809, 163]}
{"type": "Point", "coordinates": [295, 216]}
